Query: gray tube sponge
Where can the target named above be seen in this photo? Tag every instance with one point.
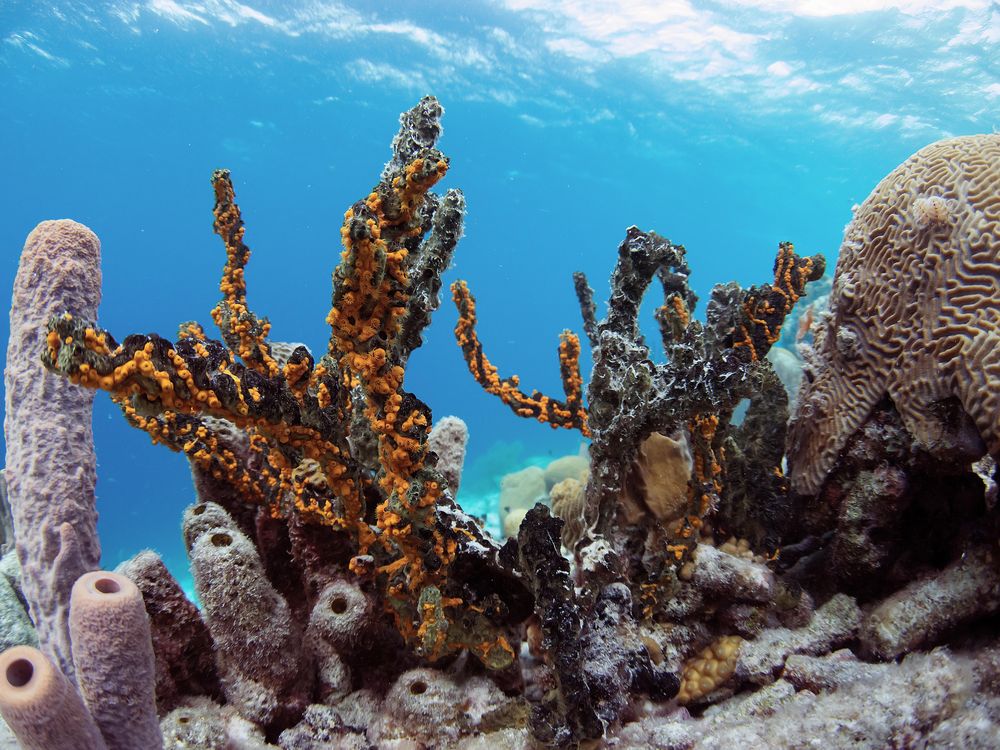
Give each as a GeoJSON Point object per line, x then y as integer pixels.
{"type": "Point", "coordinates": [201, 724]}
{"type": "Point", "coordinates": [51, 467]}
{"type": "Point", "coordinates": [429, 708]}
{"type": "Point", "coordinates": [448, 439]}
{"type": "Point", "coordinates": [423, 703]}
{"type": "Point", "coordinates": [337, 622]}
{"type": "Point", "coordinates": [41, 706]}
{"type": "Point", "coordinates": [259, 649]}
{"type": "Point", "coordinates": [341, 614]}
{"type": "Point", "coordinates": [113, 655]}
{"type": "Point", "coordinates": [203, 516]}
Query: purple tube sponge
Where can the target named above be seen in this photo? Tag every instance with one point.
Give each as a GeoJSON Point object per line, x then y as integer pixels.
{"type": "Point", "coordinates": [51, 468]}
{"type": "Point", "coordinates": [41, 706]}
{"type": "Point", "coordinates": [113, 654]}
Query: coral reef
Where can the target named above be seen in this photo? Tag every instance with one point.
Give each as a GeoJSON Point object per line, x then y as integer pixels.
{"type": "Point", "coordinates": [880, 510]}
{"type": "Point", "coordinates": [677, 595]}
{"type": "Point", "coordinates": [710, 368]}
{"type": "Point", "coordinates": [325, 467]}
{"type": "Point", "coordinates": [674, 482]}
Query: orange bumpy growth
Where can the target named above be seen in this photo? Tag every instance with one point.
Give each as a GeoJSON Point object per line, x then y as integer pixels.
{"type": "Point", "coordinates": [174, 386]}
{"type": "Point", "coordinates": [242, 331]}
{"type": "Point", "coordinates": [763, 314]}
{"type": "Point", "coordinates": [369, 305]}
{"type": "Point", "coordinates": [365, 320]}
{"type": "Point", "coordinates": [570, 413]}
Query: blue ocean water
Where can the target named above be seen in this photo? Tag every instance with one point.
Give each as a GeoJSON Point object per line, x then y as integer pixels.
{"type": "Point", "coordinates": [727, 126]}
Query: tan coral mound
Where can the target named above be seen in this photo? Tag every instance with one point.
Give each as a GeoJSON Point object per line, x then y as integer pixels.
{"type": "Point", "coordinates": [662, 471]}
{"type": "Point", "coordinates": [915, 308]}
{"type": "Point", "coordinates": [568, 503]}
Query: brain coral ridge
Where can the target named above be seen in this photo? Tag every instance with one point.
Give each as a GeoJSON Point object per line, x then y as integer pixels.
{"type": "Point", "coordinates": [914, 310]}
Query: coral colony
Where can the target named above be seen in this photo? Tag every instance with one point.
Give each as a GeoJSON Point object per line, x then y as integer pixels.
{"type": "Point", "coordinates": [693, 580]}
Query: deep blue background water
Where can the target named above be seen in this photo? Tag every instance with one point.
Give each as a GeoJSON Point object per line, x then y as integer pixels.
{"type": "Point", "coordinates": [725, 126]}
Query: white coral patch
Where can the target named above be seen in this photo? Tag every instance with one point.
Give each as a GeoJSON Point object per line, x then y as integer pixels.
{"type": "Point", "coordinates": [931, 210]}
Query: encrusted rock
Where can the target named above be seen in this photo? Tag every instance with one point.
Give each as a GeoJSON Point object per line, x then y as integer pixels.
{"type": "Point", "coordinates": [830, 672]}
{"type": "Point", "coordinates": [730, 576]}
{"type": "Point", "coordinates": [761, 660]}
{"type": "Point", "coordinates": [927, 608]}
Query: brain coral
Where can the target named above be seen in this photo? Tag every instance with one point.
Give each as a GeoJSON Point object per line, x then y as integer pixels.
{"type": "Point", "coordinates": [914, 311]}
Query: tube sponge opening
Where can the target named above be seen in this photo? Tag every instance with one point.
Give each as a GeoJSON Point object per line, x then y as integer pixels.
{"type": "Point", "coordinates": [201, 517]}
{"type": "Point", "coordinates": [20, 672]}
{"type": "Point", "coordinates": [104, 585]}
{"type": "Point", "coordinates": [40, 705]}
{"type": "Point", "coordinates": [341, 615]}
{"type": "Point", "coordinates": [113, 656]}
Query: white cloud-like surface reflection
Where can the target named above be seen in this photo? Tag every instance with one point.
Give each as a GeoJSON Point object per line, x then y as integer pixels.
{"type": "Point", "coordinates": [910, 65]}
